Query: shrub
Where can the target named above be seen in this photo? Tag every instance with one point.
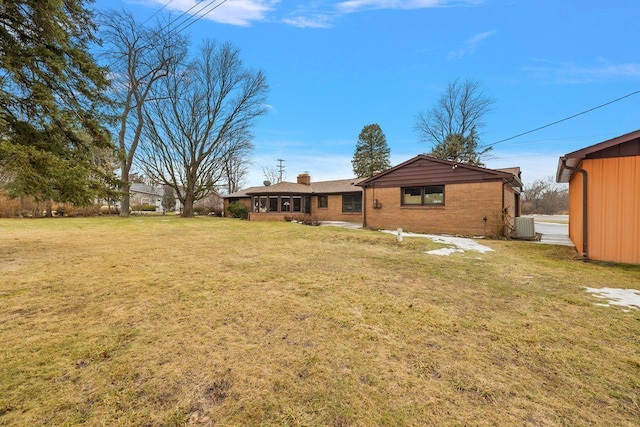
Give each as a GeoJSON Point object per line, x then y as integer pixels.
{"type": "Point", "coordinates": [75, 211]}
{"type": "Point", "coordinates": [144, 208]}
{"type": "Point", "coordinates": [237, 210]}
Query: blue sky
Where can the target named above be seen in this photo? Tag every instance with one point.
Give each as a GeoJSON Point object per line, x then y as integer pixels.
{"type": "Point", "coordinates": [334, 67]}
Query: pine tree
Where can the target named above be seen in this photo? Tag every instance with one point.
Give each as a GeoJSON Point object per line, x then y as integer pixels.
{"type": "Point", "coordinates": [51, 95]}
{"type": "Point", "coordinates": [459, 148]}
{"type": "Point", "coordinates": [372, 152]}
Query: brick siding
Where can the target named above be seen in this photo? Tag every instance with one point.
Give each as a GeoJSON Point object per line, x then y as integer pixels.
{"type": "Point", "coordinates": [333, 211]}
{"type": "Point", "coordinates": [466, 206]}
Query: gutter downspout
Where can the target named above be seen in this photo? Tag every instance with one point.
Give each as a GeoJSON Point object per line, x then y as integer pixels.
{"type": "Point", "coordinates": [585, 228]}
{"type": "Point", "coordinates": [364, 207]}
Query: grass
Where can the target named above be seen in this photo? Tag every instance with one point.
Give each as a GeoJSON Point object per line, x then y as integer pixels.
{"type": "Point", "coordinates": [162, 321]}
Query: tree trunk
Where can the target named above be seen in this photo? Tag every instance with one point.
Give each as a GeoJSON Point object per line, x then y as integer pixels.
{"type": "Point", "coordinates": [49, 208]}
{"type": "Point", "coordinates": [125, 189]}
{"type": "Point", "coordinates": [187, 208]}
{"type": "Point", "coordinates": [126, 200]}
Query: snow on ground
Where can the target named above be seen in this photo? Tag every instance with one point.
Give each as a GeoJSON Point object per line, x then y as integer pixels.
{"type": "Point", "coordinates": [457, 244]}
{"type": "Point", "coordinates": [615, 296]}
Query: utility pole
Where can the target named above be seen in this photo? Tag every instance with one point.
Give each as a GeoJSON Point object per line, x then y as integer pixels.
{"type": "Point", "coordinates": [280, 168]}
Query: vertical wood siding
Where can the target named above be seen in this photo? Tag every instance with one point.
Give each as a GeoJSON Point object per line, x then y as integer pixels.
{"type": "Point", "coordinates": [614, 208]}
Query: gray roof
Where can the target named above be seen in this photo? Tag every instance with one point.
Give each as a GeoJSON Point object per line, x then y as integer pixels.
{"type": "Point", "coordinates": [146, 189]}
{"type": "Point", "coordinates": [284, 187]}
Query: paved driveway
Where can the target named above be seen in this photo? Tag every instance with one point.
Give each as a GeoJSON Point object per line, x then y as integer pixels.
{"type": "Point", "coordinates": [553, 233]}
{"type": "Point", "coordinates": [554, 229]}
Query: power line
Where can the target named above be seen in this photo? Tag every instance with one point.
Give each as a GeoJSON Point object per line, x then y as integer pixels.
{"type": "Point", "coordinates": [563, 120]}
{"type": "Point", "coordinates": [193, 21]}
{"type": "Point", "coordinates": [191, 16]}
{"type": "Point", "coordinates": [177, 29]}
{"type": "Point", "coordinates": [156, 12]}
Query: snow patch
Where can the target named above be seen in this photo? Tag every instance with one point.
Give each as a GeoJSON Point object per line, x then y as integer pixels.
{"type": "Point", "coordinates": [615, 296]}
{"type": "Point", "coordinates": [458, 244]}
{"type": "Point", "coordinates": [444, 251]}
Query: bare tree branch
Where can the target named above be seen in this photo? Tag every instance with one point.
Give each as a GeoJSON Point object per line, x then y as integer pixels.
{"type": "Point", "coordinates": [140, 58]}
{"type": "Point", "coordinates": [452, 126]}
{"type": "Point", "coordinates": [201, 125]}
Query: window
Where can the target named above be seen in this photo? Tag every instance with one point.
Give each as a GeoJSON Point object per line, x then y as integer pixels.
{"type": "Point", "coordinates": [323, 201]}
{"type": "Point", "coordinates": [432, 195]}
{"type": "Point", "coordinates": [297, 203]}
{"type": "Point", "coordinates": [259, 203]}
{"type": "Point", "coordinates": [285, 204]}
{"type": "Point", "coordinates": [273, 204]}
{"type": "Point", "coordinates": [352, 203]}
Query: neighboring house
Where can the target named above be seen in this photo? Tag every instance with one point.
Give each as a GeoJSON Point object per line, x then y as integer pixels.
{"type": "Point", "coordinates": [338, 200]}
{"type": "Point", "coordinates": [143, 194]}
{"type": "Point", "coordinates": [604, 198]}
{"type": "Point", "coordinates": [429, 195]}
{"type": "Point", "coordinates": [423, 194]}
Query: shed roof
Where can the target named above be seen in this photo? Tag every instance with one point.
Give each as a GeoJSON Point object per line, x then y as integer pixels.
{"type": "Point", "coordinates": [621, 146]}
{"type": "Point", "coordinates": [424, 170]}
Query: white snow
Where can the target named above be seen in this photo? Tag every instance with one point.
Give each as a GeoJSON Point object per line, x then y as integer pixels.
{"type": "Point", "coordinates": [444, 251]}
{"type": "Point", "coordinates": [457, 244]}
{"type": "Point", "coordinates": [615, 296]}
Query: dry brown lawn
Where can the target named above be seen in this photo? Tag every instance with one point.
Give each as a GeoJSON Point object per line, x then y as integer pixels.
{"type": "Point", "coordinates": [162, 321]}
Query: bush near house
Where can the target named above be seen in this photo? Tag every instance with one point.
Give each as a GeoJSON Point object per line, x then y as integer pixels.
{"type": "Point", "coordinates": [237, 210]}
{"type": "Point", "coordinates": [144, 208]}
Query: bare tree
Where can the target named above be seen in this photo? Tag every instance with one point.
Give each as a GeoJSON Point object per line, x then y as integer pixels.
{"type": "Point", "coordinates": [201, 121]}
{"type": "Point", "coordinates": [140, 57]}
{"type": "Point", "coordinates": [545, 196]}
{"type": "Point", "coordinates": [452, 126]}
{"type": "Point", "coordinates": [236, 169]}
{"type": "Point", "coordinates": [271, 174]}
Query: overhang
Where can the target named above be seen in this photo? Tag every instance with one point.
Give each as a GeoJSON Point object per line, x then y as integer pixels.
{"type": "Point", "coordinates": [621, 146]}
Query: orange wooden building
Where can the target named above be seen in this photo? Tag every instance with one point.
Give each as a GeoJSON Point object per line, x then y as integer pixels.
{"type": "Point", "coordinates": [604, 198]}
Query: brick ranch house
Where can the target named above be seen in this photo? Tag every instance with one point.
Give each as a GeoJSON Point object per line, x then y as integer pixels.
{"type": "Point", "coordinates": [423, 195]}
{"type": "Point", "coordinates": [338, 200]}
{"type": "Point", "coordinates": [429, 195]}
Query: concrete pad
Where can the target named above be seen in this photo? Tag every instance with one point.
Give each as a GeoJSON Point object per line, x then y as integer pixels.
{"type": "Point", "coordinates": [343, 224]}
{"type": "Point", "coordinates": [553, 233]}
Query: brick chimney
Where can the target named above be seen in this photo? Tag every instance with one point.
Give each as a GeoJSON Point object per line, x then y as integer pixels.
{"type": "Point", "coordinates": [304, 178]}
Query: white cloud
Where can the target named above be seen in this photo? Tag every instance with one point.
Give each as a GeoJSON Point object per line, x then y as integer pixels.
{"type": "Point", "coordinates": [315, 21]}
{"type": "Point", "coordinates": [358, 5]}
{"type": "Point", "coordinates": [569, 72]}
{"type": "Point", "coordinates": [234, 12]}
{"type": "Point", "coordinates": [321, 15]}
{"type": "Point", "coordinates": [470, 45]}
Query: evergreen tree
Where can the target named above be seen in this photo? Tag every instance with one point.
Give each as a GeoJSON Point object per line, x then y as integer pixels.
{"type": "Point", "coordinates": [168, 198]}
{"type": "Point", "coordinates": [50, 98]}
{"type": "Point", "coordinates": [372, 152]}
{"type": "Point", "coordinates": [459, 148]}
